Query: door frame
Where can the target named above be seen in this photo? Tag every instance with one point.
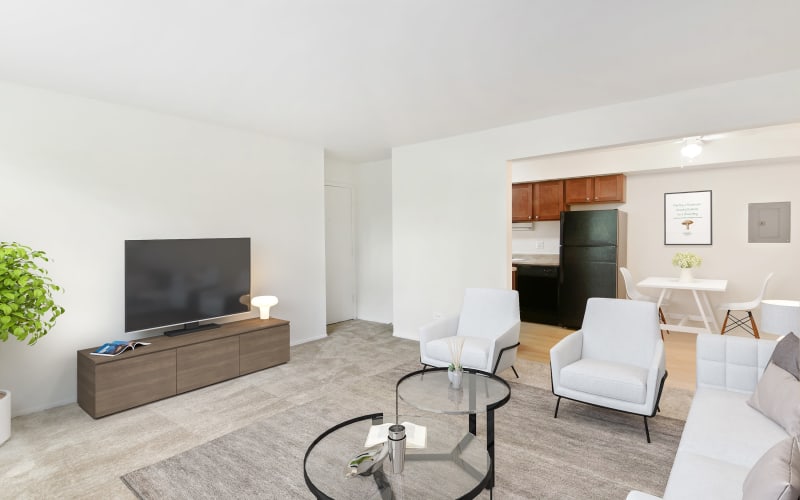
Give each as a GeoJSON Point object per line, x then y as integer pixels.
{"type": "Point", "coordinates": [351, 188]}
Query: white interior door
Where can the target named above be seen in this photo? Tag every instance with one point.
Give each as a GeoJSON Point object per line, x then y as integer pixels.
{"type": "Point", "coordinates": [340, 268]}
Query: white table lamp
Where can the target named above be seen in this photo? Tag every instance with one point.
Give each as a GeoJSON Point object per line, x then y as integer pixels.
{"type": "Point", "coordinates": [780, 316]}
{"type": "Point", "coordinates": [264, 302]}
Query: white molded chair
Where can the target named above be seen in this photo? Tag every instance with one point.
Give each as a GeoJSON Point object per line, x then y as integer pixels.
{"type": "Point", "coordinates": [737, 322]}
{"type": "Point", "coordinates": [488, 322]}
{"type": "Point", "coordinates": [616, 360]}
{"type": "Point", "coordinates": [634, 294]}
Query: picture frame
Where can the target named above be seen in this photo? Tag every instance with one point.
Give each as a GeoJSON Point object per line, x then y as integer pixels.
{"type": "Point", "coordinates": [687, 218]}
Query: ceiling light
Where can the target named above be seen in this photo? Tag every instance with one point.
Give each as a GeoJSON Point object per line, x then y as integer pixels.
{"type": "Point", "coordinates": [692, 147]}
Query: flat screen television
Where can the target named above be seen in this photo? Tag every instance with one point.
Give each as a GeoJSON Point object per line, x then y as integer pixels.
{"type": "Point", "coordinates": [183, 282]}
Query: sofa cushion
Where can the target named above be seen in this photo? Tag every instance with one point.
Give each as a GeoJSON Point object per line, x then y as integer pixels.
{"type": "Point", "coordinates": [777, 396]}
{"type": "Point", "coordinates": [722, 426]}
{"type": "Point", "coordinates": [787, 354]}
{"type": "Point", "coordinates": [604, 378]}
{"type": "Point", "coordinates": [696, 476]}
{"type": "Point", "coordinates": [475, 353]}
{"type": "Point", "coordinates": [776, 475]}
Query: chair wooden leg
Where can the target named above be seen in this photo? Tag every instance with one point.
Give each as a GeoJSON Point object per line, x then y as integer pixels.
{"type": "Point", "coordinates": [725, 322]}
{"type": "Point", "coordinates": [753, 323]}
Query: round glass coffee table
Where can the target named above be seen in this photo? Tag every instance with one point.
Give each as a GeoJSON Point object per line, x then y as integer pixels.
{"type": "Point", "coordinates": [453, 464]}
{"type": "Point", "coordinates": [480, 392]}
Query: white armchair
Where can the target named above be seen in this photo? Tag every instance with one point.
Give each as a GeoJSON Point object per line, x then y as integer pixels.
{"type": "Point", "coordinates": [615, 361]}
{"type": "Point", "coordinates": [488, 322]}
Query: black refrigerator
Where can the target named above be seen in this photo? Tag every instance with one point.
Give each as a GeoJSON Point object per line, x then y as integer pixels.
{"type": "Point", "coordinates": [592, 250]}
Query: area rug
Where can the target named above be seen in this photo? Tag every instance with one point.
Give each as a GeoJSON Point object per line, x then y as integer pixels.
{"type": "Point", "coordinates": [587, 452]}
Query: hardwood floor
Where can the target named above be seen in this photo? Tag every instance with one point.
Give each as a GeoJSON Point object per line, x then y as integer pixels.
{"type": "Point", "coordinates": [536, 341]}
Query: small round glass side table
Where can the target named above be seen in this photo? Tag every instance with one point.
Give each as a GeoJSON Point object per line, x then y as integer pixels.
{"type": "Point", "coordinates": [480, 392]}
{"type": "Point", "coordinates": [453, 464]}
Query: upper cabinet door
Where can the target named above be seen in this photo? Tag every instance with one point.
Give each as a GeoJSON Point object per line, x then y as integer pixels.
{"type": "Point", "coordinates": [522, 202]}
{"type": "Point", "coordinates": [609, 188]}
{"type": "Point", "coordinates": [579, 190]}
{"type": "Point", "coordinates": [548, 200]}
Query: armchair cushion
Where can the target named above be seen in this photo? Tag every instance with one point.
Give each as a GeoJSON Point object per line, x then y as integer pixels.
{"type": "Point", "coordinates": [606, 379]}
{"type": "Point", "coordinates": [474, 354]}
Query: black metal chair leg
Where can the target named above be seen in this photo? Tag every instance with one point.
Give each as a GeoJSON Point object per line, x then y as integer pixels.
{"type": "Point", "coordinates": [515, 371]}
{"type": "Point", "coordinates": [555, 415]}
{"type": "Point", "coordinates": [646, 429]}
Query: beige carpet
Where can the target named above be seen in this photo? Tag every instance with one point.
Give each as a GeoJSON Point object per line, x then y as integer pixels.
{"type": "Point", "coordinates": [587, 452]}
{"type": "Point", "coordinates": [63, 453]}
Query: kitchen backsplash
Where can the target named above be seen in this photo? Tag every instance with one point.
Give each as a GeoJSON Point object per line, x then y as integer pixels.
{"type": "Point", "coordinates": [544, 238]}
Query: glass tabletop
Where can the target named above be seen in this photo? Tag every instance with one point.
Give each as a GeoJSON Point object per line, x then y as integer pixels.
{"type": "Point", "coordinates": [431, 390]}
{"type": "Point", "coordinates": [453, 464]}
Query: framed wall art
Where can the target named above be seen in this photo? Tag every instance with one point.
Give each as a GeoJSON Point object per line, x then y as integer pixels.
{"type": "Point", "coordinates": [687, 218]}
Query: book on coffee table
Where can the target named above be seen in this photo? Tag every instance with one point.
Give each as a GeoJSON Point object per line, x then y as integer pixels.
{"type": "Point", "coordinates": [416, 435]}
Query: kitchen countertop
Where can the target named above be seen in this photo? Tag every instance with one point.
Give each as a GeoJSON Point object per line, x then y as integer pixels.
{"type": "Point", "coordinates": [539, 259]}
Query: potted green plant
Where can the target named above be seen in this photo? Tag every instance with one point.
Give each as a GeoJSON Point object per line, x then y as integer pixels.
{"type": "Point", "coordinates": [27, 308]}
{"type": "Point", "coordinates": [686, 261]}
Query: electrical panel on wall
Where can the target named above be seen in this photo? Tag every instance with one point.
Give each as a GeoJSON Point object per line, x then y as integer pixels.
{"type": "Point", "coordinates": [769, 222]}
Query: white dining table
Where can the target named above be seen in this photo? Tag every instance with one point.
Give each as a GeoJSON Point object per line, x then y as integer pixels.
{"type": "Point", "coordinates": [699, 289]}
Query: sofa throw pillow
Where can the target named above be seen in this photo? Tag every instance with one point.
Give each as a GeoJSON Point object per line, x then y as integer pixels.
{"type": "Point", "coordinates": [777, 396]}
{"type": "Point", "coordinates": [787, 354]}
{"type": "Point", "coordinates": [776, 475]}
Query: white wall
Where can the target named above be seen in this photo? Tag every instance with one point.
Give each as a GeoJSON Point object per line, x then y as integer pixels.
{"type": "Point", "coordinates": [374, 241]}
{"type": "Point", "coordinates": [451, 198]}
{"type": "Point", "coordinates": [372, 188]}
{"type": "Point", "coordinates": [731, 257]}
{"type": "Point", "coordinates": [80, 176]}
{"type": "Point", "coordinates": [543, 238]}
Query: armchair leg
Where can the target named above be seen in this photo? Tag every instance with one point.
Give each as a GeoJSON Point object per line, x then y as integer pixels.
{"type": "Point", "coordinates": [646, 429]}
{"type": "Point", "coordinates": [555, 415]}
{"type": "Point", "coordinates": [515, 371]}
{"type": "Point", "coordinates": [500, 355]}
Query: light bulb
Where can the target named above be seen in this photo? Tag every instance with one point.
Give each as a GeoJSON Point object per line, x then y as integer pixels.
{"type": "Point", "coordinates": [692, 148]}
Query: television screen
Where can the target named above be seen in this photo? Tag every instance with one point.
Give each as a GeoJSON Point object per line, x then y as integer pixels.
{"type": "Point", "coordinates": [172, 282]}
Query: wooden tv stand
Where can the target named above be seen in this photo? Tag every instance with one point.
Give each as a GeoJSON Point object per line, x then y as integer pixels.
{"type": "Point", "coordinates": [173, 365]}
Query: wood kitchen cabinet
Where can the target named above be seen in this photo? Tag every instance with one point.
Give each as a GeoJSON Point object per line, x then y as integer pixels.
{"type": "Point", "coordinates": [548, 200]}
{"type": "Point", "coordinates": [599, 189]}
{"type": "Point", "coordinates": [537, 201]}
{"type": "Point", "coordinates": [522, 202]}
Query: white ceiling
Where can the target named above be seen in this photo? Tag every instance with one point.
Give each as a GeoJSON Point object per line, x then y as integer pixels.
{"type": "Point", "coordinates": [361, 76]}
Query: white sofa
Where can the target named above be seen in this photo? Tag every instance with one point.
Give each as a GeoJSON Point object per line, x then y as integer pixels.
{"type": "Point", "coordinates": [723, 436]}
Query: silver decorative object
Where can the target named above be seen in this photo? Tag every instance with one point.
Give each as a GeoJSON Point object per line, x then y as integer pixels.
{"type": "Point", "coordinates": [397, 447]}
{"type": "Point", "coordinates": [368, 462]}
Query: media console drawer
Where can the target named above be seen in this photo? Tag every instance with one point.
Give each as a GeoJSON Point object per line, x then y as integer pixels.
{"type": "Point", "coordinates": [207, 363]}
{"type": "Point", "coordinates": [172, 365]}
{"type": "Point", "coordinates": [262, 349]}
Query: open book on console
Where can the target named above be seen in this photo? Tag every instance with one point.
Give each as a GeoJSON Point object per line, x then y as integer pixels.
{"type": "Point", "coordinates": [117, 347]}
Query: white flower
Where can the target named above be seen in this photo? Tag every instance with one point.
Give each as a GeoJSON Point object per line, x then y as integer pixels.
{"type": "Point", "coordinates": [686, 260]}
